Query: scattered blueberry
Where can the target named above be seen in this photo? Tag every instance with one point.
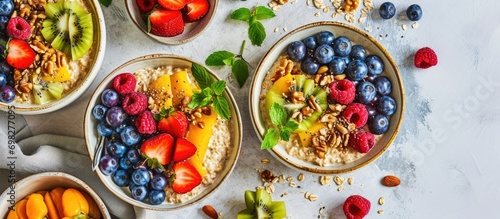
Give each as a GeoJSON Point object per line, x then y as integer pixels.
{"type": "Point", "coordinates": [99, 111]}
{"type": "Point", "coordinates": [296, 51]}
{"type": "Point", "coordinates": [108, 165]}
{"type": "Point", "coordinates": [386, 105]}
{"type": "Point", "coordinates": [337, 66]}
{"type": "Point", "coordinates": [309, 66]}
{"type": "Point", "coordinates": [7, 94]}
{"type": "Point", "coordinates": [356, 70]}
{"type": "Point", "coordinates": [383, 85]}
{"type": "Point", "coordinates": [121, 178]}
{"type": "Point", "coordinates": [139, 192]}
{"type": "Point", "coordinates": [358, 52]}
{"type": "Point", "coordinates": [115, 116]}
{"type": "Point", "coordinates": [387, 10]}
{"type": "Point", "coordinates": [365, 92]}
{"type": "Point", "coordinates": [156, 197]}
{"type": "Point", "coordinates": [141, 176]}
{"type": "Point", "coordinates": [324, 38]}
{"type": "Point", "coordinates": [310, 43]}
{"type": "Point", "coordinates": [342, 46]}
{"type": "Point", "coordinates": [324, 54]}
{"type": "Point", "coordinates": [6, 7]}
{"type": "Point", "coordinates": [414, 12]}
{"type": "Point", "coordinates": [378, 124]}
{"type": "Point", "coordinates": [110, 97]}
{"type": "Point", "coordinates": [159, 182]}
{"type": "Point", "coordinates": [375, 65]}
{"type": "Point", "coordinates": [130, 136]}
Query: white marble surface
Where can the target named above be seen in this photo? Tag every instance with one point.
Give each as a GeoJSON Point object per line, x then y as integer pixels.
{"type": "Point", "coordinates": [445, 155]}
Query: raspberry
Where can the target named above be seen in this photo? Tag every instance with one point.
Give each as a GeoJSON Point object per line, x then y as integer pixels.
{"type": "Point", "coordinates": [145, 123]}
{"type": "Point", "coordinates": [134, 103]}
{"type": "Point", "coordinates": [362, 141]}
{"type": "Point", "coordinates": [425, 58]}
{"type": "Point", "coordinates": [356, 113]}
{"type": "Point", "coordinates": [124, 83]}
{"type": "Point", "coordinates": [356, 207]}
{"type": "Point", "coordinates": [18, 28]}
{"type": "Point", "coordinates": [343, 91]}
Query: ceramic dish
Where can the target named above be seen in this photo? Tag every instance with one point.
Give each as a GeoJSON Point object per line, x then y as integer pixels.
{"type": "Point", "coordinates": [191, 30]}
{"type": "Point", "coordinates": [91, 134]}
{"type": "Point", "coordinates": [357, 37]}
{"type": "Point", "coordinates": [46, 181]}
{"type": "Point", "coordinates": [96, 58]}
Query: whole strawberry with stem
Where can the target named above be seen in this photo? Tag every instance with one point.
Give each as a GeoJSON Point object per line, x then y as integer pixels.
{"type": "Point", "coordinates": [172, 122]}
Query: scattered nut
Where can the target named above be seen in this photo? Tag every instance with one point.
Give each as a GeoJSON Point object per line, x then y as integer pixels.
{"type": "Point", "coordinates": [349, 180]}
{"type": "Point", "coordinates": [391, 181]}
{"type": "Point", "coordinates": [210, 211]}
{"type": "Point", "coordinates": [300, 177]}
{"type": "Point", "coordinates": [381, 201]}
{"type": "Point", "coordinates": [380, 211]}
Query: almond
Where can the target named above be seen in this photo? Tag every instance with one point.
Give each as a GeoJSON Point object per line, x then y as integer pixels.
{"type": "Point", "coordinates": [391, 181]}
{"type": "Point", "coordinates": [210, 211]}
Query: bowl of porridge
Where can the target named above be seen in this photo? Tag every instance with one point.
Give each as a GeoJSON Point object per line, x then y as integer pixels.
{"type": "Point", "coordinates": [327, 98]}
{"type": "Point", "coordinates": [55, 68]}
{"type": "Point", "coordinates": [169, 130]}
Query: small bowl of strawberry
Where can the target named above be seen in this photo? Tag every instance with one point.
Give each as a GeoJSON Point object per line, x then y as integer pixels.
{"type": "Point", "coordinates": [171, 21]}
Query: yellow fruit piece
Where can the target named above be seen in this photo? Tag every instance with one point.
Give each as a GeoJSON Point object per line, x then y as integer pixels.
{"type": "Point", "coordinates": [12, 215]}
{"type": "Point", "coordinates": [305, 136]}
{"type": "Point", "coordinates": [20, 209]}
{"type": "Point", "coordinates": [52, 210]}
{"type": "Point", "coordinates": [161, 91]}
{"type": "Point", "coordinates": [35, 207]}
{"type": "Point", "coordinates": [56, 196]}
{"type": "Point", "coordinates": [181, 87]}
{"type": "Point", "coordinates": [74, 203]}
{"type": "Point", "coordinates": [94, 211]}
{"type": "Point", "coordinates": [200, 137]}
{"type": "Point", "coordinates": [61, 75]}
{"type": "Point", "coordinates": [279, 87]}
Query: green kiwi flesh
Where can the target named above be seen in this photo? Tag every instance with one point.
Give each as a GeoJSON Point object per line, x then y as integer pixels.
{"type": "Point", "coordinates": [260, 206]}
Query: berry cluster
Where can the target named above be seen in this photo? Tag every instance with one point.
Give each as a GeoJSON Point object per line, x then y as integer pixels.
{"type": "Point", "coordinates": [387, 10]}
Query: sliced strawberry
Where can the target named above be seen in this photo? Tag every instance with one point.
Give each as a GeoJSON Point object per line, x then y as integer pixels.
{"type": "Point", "coordinates": [145, 5]}
{"type": "Point", "coordinates": [186, 177]}
{"type": "Point", "coordinates": [166, 22]}
{"type": "Point", "coordinates": [159, 147]}
{"type": "Point", "coordinates": [195, 10]}
{"type": "Point", "coordinates": [184, 149]}
{"type": "Point", "coordinates": [19, 54]}
{"type": "Point", "coordinates": [173, 4]}
{"type": "Point", "coordinates": [175, 123]}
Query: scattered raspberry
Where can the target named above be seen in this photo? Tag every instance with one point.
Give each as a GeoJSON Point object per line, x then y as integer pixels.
{"type": "Point", "coordinates": [135, 103]}
{"type": "Point", "coordinates": [145, 123]}
{"type": "Point", "coordinates": [356, 113]}
{"type": "Point", "coordinates": [356, 207]}
{"type": "Point", "coordinates": [362, 141]}
{"type": "Point", "coordinates": [124, 83]}
{"type": "Point", "coordinates": [18, 28]}
{"type": "Point", "coordinates": [343, 91]}
{"type": "Point", "coordinates": [425, 58]}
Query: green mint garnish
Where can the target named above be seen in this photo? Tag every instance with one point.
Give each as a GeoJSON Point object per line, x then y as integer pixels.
{"type": "Point", "coordinates": [105, 2]}
{"type": "Point", "coordinates": [256, 31]}
{"type": "Point", "coordinates": [239, 66]}
{"type": "Point", "coordinates": [283, 128]}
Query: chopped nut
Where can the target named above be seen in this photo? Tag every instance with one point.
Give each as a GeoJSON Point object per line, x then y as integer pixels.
{"type": "Point", "coordinates": [266, 176]}
{"type": "Point", "coordinates": [391, 181]}
{"type": "Point", "coordinates": [210, 211]}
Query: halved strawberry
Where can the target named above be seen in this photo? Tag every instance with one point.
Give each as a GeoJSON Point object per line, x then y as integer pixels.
{"type": "Point", "coordinates": [173, 4]}
{"type": "Point", "coordinates": [145, 5]}
{"type": "Point", "coordinates": [166, 22]}
{"type": "Point", "coordinates": [186, 177]}
{"type": "Point", "coordinates": [195, 10]}
{"type": "Point", "coordinates": [184, 149]}
{"type": "Point", "coordinates": [174, 123]}
{"type": "Point", "coordinates": [19, 54]}
{"type": "Point", "coordinates": [159, 147]}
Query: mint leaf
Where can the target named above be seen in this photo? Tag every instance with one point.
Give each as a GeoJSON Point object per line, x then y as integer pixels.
{"type": "Point", "coordinates": [221, 107]}
{"type": "Point", "coordinates": [218, 87]}
{"type": "Point", "coordinates": [262, 13]}
{"type": "Point", "coordinates": [242, 14]}
{"type": "Point", "coordinates": [240, 71]}
{"type": "Point", "coordinates": [229, 61]}
{"type": "Point", "coordinates": [271, 138]}
{"type": "Point", "coordinates": [199, 100]}
{"type": "Point", "coordinates": [208, 92]}
{"type": "Point", "coordinates": [105, 2]}
{"type": "Point", "coordinates": [291, 125]}
{"type": "Point", "coordinates": [278, 114]}
{"type": "Point", "coordinates": [285, 134]}
{"type": "Point", "coordinates": [218, 58]}
{"type": "Point", "coordinates": [201, 75]}
{"type": "Point", "coordinates": [256, 33]}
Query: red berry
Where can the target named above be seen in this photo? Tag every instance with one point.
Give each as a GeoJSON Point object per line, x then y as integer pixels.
{"type": "Point", "coordinates": [160, 147]}
{"type": "Point", "coordinates": [124, 83]}
{"type": "Point", "coordinates": [184, 149]}
{"type": "Point", "coordinates": [356, 207]}
{"type": "Point", "coordinates": [173, 4]}
{"type": "Point", "coordinates": [425, 58]}
{"type": "Point", "coordinates": [145, 123]}
{"type": "Point", "coordinates": [175, 124]}
{"type": "Point", "coordinates": [165, 22]}
{"type": "Point", "coordinates": [186, 177]}
{"type": "Point", "coordinates": [145, 5]}
{"type": "Point", "coordinates": [356, 113]}
{"type": "Point", "coordinates": [342, 91]}
{"type": "Point", "coordinates": [362, 141]}
{"type": "Point", "coordinates": [19, 54]}
{"type": "Point", "coordinates": [195, 10]}
{"type": "Point", "coordinates": [135, 103]}
{"type": "Point", "coordinates": [18, 28]}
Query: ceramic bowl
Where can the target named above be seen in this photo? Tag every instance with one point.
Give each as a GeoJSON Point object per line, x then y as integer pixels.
{"type": "Point", "coordinates": [91, 134]}
{"type": "Point", "coordinates": [46, 181]}
{"type": "Point", "coordinates": [191, 30]}
{"type": "Point", "coordinates": [95, 61]}
{"type": "Point", "coordinates": [357, 37]}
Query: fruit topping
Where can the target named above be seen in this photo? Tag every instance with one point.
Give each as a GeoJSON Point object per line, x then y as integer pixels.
{"type": "Point", "coordinates": [259, 205]}
{"type": "Point", "coordinates": [156, 197]}
{"type": "Point", "coordinates": [7, 94]}
{"type": "Point", "coordinates": [342, 46]}
{"type": "Point", "coordinates": [159, 147]}
{"type": "Point", "coordinates": [135, 103]}
{"type": "Point", "coordinates": [356, 207]}
{"type": "Point", "coordinates": [324, 54]}
{"type": "Point", "coordinates": [365, 92]}
{"type": "Point", "coordinates": [183, 150]}
{"type": "Point", "coordinates": [130, 136]}
{"type": "Point", "coordinates": [387, 10]}
{"type": "Point", "coordinates": [195, 10]}
{"type": "Point", "coordinates": [296, 51]}
{"type": "Point", "coordinates": [124, 83]}
{"type": "Point", "coordinates": [185, 177]}
{"type": "Point", "coordinates": [6, 7]}
{"type": "Point", "coordinates": [356, 113]}
{"type": "Point", "coordinates": [166, 22]}
{"type": "Point", "coordinates": [145, 123]}
{"type": "Point", "coordinates": [145, 6]}
{"type": "Point", "coordinates": [19, 54]}
{"type": "Point", "coordinates": [108, 165]}
{"type": "Point", "coordinates": [342, 91]}
{"type": "Point", "coordinates": [375, 65]}
{"type": "Point", "coordinates": [172, 4]}
{"type": "Point", "coordinates": [18, 28]}
{"type": "Point", "coordinates": [425, 58]}
{"type": "Point", "coordinates": [110, 97]}
{"type": "Point", "coordinates": [361, 141]}
{"type": "Point", "coordinates": [414, 12]}
{"type": "Point", "coordinates": [378, 124]}
{"type": "Point", "coordinates": [386, 105]}
{"type": "Point", "coordinates": [173, 122]}
{"type": "Point", "coordinates": [356, 70]}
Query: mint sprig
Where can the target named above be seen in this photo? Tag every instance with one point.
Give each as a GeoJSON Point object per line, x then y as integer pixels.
{"type": "Point", "coordinates": [106, 3]}
{"type": "Point", "coordinates": [283, 127]}
{"type": "Point", "coordinates": [256, 31]}
{"type": "Point", "coordinates": [239, 67]}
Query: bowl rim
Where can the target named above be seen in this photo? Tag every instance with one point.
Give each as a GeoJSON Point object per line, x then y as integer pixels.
{"type": "Point", "coordinates": [81, 87]}
{"type": "Point", "coordinates": [159, 39]}
{"type": "Point", "coordinates": [236, 116]}
{"type": "Point", "coordinates": [255, 118]}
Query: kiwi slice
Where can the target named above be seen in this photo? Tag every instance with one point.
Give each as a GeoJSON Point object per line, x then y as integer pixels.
{"type": "Point", "coordinates": [80, 34]}
{"type": "Point", "coordinates": [260, 206]}
{"type": "Point", "coordinates": [44, 92]}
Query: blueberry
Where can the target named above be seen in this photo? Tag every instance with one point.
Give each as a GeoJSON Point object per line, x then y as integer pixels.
{"type": "Point", "coordinates": [414, 12]}
{"type": "Point", "coordinates": [324, 38]}
{"type": "Point", "coordinates": [386, 105]}
{"type": "Point", "coordinates": [130, 136]}
{"type": "Point", "coordinates": [110, 97]}
{"type": "Point", "coordinates": [4, 67]}
{"type": "Point", "coordinates": [156, 197]}
{"type": "Point", "coordinates": [296, 51]}
{"type": "Point", "coordinates": [324, 54]}
{"type": "Point", "coordinates": [108, 165]}
{"type": "Point", "coordinates": [3, 79]}
{"type": "Point", "coordinates": [104, 129]}
{"type": "Point", "coordinates": [133, 155]}
{"type": "Point", "coordinates": [365, 92]}
{"type": "Point", "coordinates": [131, 185]}
{"type": "Point", "coordinates": [342, 46]}
{"type": "Point", "coordinates": [121, 178]}
{"type": "Point", "coordinates": [309, 66]}
{"type": "Point", "coordinates": [387, 10]}
{"type": "Point", "coordinates": [372, 111]}
{"type": "Point", "coordinates": [358, 52]}
{"type": "Point", "coordinates": [337, 66]}
{"type": "Point", "coordinates": [346, 59]}
{"type": "Point", "coordinates": [139, 192]}
{"type": "Point", "coordinates": [356, 70]}
{"type": "Point", "coordinates": [141, 176]}
{"type": "Point", "coordinates": [115, 116]}
{"type": "Point", "coordinates": [99, 111]}
{"type": "Point", "coordinates": [378, 124]}
{"type": "Point", "coordinates": [310, 43]}
{"type": "Point", "coordinates": [6, 7]}
{"type": "Point", "coordinates": [159, 182]}
{"type": "Point", "coordinates": [4, 20]}
{"type": "Point", "coordinates": [124, 163]}
{"type": "Point", "coordinates": [7, 94]}
{"type": "Point", "coordinates": [115, 148]}
{"type": "Point", "coordinates": [383, 85]}
{"type": "Point", "coordinates": [375, 65]}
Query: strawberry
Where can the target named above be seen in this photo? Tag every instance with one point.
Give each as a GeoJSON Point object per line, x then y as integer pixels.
{"type": "Point", "coordinates": [174, 123]}
{"type": "Point", "coordinates": [183, 150]}
{"type": "Point", "coordinates": [166, 22]}
{"type": "Point", "coordinates": [195, 10]}
{"type": "Point", "coordinates": [158, 148]}
{"type": "Point", "coordinates": [19, 54]}
{"type": "Point", "coordinates": [145, 5]}
{"type": "Point", "coordinates": [173, 4]}
{"type": "Point", "coordinates": [186, 177]}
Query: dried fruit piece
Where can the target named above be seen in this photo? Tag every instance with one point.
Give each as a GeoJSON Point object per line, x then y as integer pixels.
{"type": "Point", "coordinates": [210, 211]}
{"type": "Point", "coordinates": [391, 181]}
